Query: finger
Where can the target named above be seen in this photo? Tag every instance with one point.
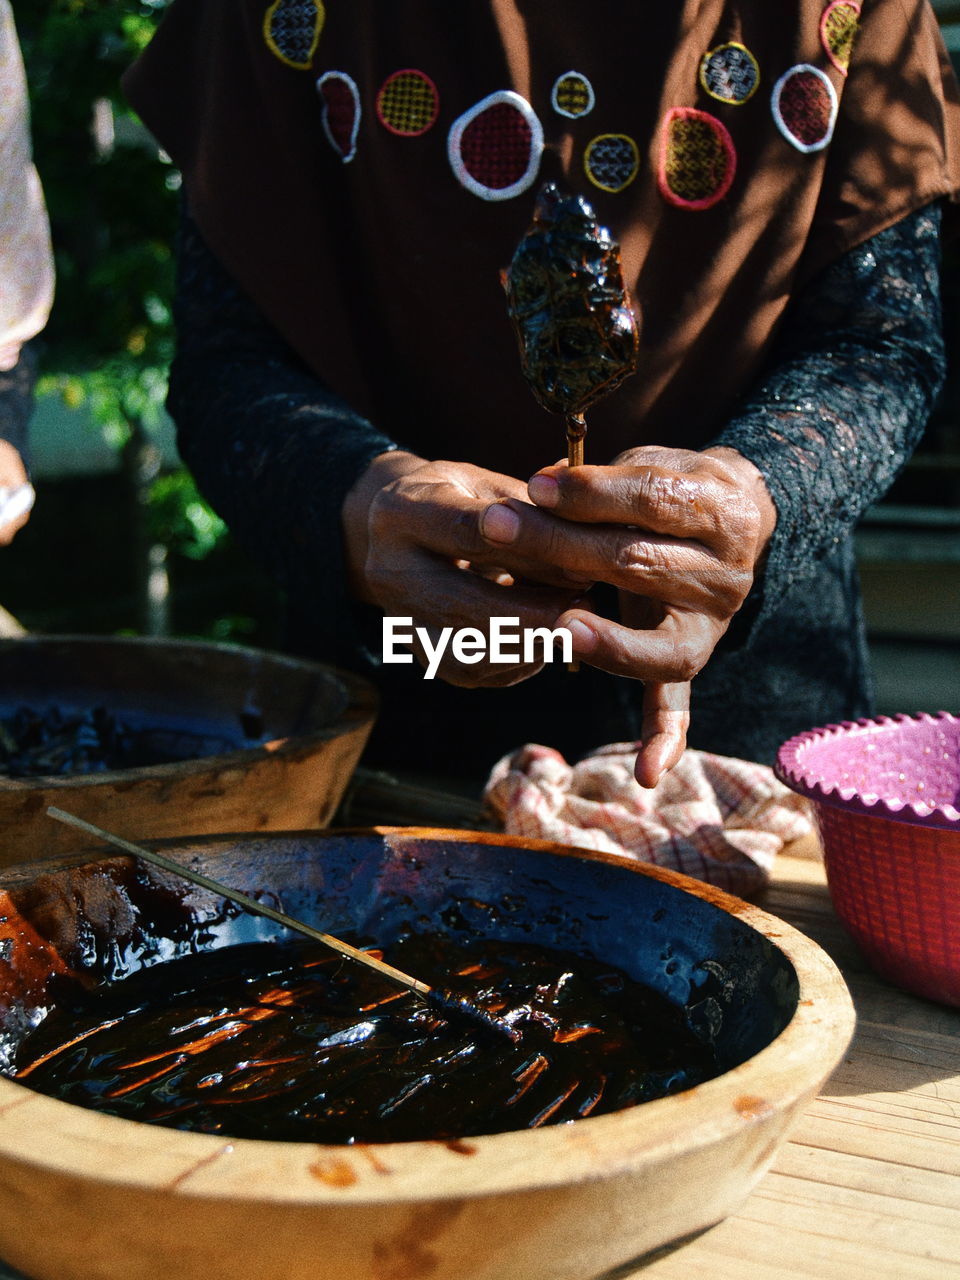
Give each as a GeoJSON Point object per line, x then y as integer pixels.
{"type": "Point", "coordinates": [503, 578]}
{"type": "Point", "coordinates": [441, 662]}
{"type": "Point", "coordinates": [674, 652]}
{"type": "Point", "coordinates": [685, 574]}
{"type": "Point", "coordinates": [11, 528]}
{"type": "Point", "coordinates": [529, 542]}
{"type": "Point", "coordinates": [527, 620]}
{"type": "Point", "coordinates": [690, 505]}
{"type": "Point", "coordinates": [492, 573]}
{"type": "Point", "coordinates": [446, 519]}
{"type": "Point", "coordinates": [442, 514]}
{"type": "Point", "coordinates": [439, 594]}
{"type": "Point", "coordinates": [666, 719]}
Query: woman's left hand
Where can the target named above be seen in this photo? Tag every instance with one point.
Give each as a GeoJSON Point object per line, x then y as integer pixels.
{"type": "Point", "coordinates": [13, 475]}
{"type": "Point", "coordinates": [680, 534]}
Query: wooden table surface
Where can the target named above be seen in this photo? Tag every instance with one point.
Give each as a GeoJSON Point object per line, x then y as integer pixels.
{"type": "Point", "coordinates": [869, 1185]}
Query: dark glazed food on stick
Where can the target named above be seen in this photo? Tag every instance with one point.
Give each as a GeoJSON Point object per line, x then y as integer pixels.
{"type": "Point", "coordinates": [571, 312]}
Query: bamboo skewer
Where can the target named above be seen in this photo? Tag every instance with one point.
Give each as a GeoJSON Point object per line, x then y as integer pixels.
{"type": "Point", "coordinates": [576, 425]}
{"type": "Point", "coordinates": [449, 1005]}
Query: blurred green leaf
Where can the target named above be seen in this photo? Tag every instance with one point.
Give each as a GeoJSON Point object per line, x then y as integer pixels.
{"type": "Point", "coordinates": [181, 519]}
{"type": "Point", "coordinates": [112, 198]}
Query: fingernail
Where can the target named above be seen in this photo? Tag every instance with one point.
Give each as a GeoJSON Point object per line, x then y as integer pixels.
{"type": "Point", "coordinates": [584, 639]}
{"type": "Point", "coordinates": [499, 523]}
{"type": "Point", "coordinates": [544, 491]}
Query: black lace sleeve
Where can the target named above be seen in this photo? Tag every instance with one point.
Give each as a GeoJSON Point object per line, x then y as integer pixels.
{"type": "Point", "coordinates": [846, 396]}
{"type": "Point", "coordinates": [272, 450]}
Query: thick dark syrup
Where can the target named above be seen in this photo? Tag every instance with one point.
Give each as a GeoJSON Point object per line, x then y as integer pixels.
{"type": "Point", "coordinates": [61, 741]}
{"type": "Point", "coordinates": [287, 1042]}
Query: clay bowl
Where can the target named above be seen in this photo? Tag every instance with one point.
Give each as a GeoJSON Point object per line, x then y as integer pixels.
{"type": "Point", "coordinates": [277, 739]}
{"type": "Point", "coordinates": [84, 1196]}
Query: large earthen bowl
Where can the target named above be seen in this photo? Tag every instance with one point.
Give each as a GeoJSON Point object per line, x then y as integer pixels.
{"type": "Point", "coordinates": [85, 1196]}
{"type": "Point", "coordinates": [267, 742]}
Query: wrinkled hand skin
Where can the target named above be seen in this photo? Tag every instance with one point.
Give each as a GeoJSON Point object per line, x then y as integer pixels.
{"type": "Point", "coordinates": [681, 535]}
{"type": "Point", "coordinates": [12, 474]}
{"type": "Point", "coordinates": [414, 548]}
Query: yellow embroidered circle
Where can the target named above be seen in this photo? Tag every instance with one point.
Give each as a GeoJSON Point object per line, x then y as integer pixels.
{"type": "Point", "coordinates": [611, 161]}
{"type": "Point", "coordinates": [838, 30]}
{"type": "Point", "coordinates": [730, 73]}
{"type": "Point", "coordinates": [292, 29]}
{"type": "Point", "coordinates": [408, 103]}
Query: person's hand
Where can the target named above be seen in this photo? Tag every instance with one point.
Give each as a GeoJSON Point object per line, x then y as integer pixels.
{"type": "Point", "coordinates": [681, 534]}
{"type": "Point", "coordinates": [13, 474]}
{"type": "Point", "coordinates": [415, 549]}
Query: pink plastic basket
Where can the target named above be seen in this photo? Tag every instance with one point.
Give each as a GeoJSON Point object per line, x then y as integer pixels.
{"type": "Point", "coordinates": [887, 798]}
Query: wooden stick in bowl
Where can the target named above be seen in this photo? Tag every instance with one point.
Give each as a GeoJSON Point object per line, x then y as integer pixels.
{"type": "Point", "coordinates": [446, 1003]}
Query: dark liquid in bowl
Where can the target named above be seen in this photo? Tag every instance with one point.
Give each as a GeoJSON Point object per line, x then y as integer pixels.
{"type": "Point", "coordinates": [288, 1042]}
{"type": "Point", "coordinates": [60, 741]}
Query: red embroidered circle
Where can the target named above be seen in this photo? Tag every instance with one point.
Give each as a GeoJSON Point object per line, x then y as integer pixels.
{"type": "Point", "coordinates": [495, 147]}
{"type": "Point", "coordinates": [804, 106]}
{"type": "Point", "coordinates": [341, 112]}
{"type": "Point", "coordinates": [698, 160]}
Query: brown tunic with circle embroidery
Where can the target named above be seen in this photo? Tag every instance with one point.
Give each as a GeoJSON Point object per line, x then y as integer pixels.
{"type": "Point", "coordinates": [365, 168]}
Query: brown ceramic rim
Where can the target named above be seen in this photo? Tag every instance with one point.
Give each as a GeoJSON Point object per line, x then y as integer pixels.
{"type": "Point", "coordinates": [785, 1074]}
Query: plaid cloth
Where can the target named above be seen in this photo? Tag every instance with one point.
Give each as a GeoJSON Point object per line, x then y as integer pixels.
{"type": "Point", "coordinates": [712, 817]}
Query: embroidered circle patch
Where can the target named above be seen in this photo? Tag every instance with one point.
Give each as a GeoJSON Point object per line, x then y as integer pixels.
{"type": "Point", "coordinates": [730, 73]}
{"type": "Point", "coordinates": [611, 161]}
{"type": "Point", "coordinates": [804, 105]}
{"type": "Point", "coordinates": [341, 112]}
{"type": "Point", "coordinates": [292, 28]}
{"type": "Point", "coordinates": [697, 160]}
{"type": "Point", "coordinates": [408, 103]}
{"type": "Point", "coordinates": [495, 147]}
{"type": "Point", "coordinates": [572, 95]}
{"type": "Point", "coordinates": [838, 30]}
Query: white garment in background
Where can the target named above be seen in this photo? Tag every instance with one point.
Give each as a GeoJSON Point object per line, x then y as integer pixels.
{"type": "Point", "coordinates": [26, 260]}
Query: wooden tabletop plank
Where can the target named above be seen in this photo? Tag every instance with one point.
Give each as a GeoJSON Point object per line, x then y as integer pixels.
{"type": "Point", "coordinates": [881, 1045]}
{"type": "Point", "coordinates": [888, 1209]}
{"type": "Point", "coordinates": [868, 1187]}
{"type": "Point", "coordinates": [856, 1127]}
{"type": "Point", "coordinates": [795, 1204]}
{"type": "Point", "coordinates": [841, 1170]}
{"type": "Point", "coordinates": [917, 1101]}
{"type": "Point", "coordinates": [740, 1249]}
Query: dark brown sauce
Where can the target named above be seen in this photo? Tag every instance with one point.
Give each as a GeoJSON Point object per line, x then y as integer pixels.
{"type": "Point", "coordinates": [60, 741]}
{"type": "Point", "coordinates": [287, 1042]}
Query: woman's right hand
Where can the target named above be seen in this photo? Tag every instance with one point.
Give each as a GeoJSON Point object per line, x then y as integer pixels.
{"type": "Point", "coordinates": [415, 549]}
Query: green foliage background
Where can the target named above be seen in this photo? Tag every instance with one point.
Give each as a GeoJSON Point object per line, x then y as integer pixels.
{"type": "Point", "coordinates": [112, 209]}
{"type": "Point", "coordinates": [112, 198]}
